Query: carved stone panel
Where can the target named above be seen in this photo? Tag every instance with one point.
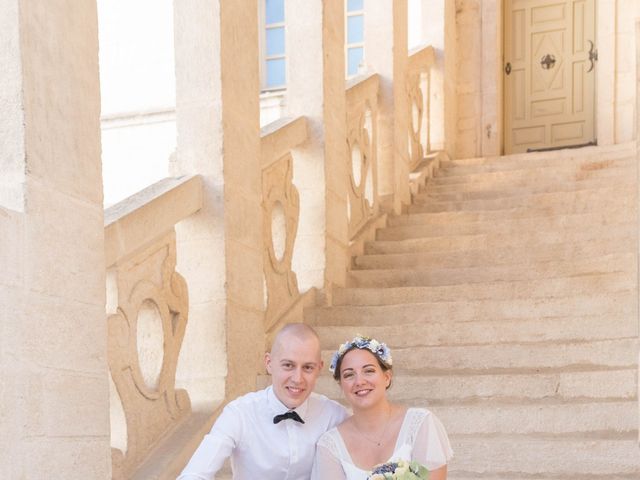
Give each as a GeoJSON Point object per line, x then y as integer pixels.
{"type": "Point", "coordinates": [281, 210]}
{"type": "Point", "coordinates": [148, 305]}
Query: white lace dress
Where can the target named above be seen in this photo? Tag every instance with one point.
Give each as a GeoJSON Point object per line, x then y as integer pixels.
{"type": "Point", "coordinates": [422, 438]}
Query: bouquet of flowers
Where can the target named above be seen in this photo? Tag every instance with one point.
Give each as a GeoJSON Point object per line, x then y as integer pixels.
{"type": "Point", "coordinates": [400, 470]}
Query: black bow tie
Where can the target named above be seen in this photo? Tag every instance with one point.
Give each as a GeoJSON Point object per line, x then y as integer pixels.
{"type": "Point", "coordinates": [290, 414]}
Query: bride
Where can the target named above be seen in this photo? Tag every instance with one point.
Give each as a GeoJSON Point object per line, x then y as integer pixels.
{"type": "Point", "coordinates": [378, 431]}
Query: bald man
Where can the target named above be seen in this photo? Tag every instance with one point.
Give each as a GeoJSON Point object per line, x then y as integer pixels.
{"type": "Point", "coordinates": [271, 434]}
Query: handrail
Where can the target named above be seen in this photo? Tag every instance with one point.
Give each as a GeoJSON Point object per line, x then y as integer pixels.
{"type": "Point", "coordinates": [279, 137]}
{"type": "Point", "coordinates": [144, 216]}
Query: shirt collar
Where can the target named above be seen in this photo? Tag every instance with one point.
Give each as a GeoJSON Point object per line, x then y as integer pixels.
{"type": "Point", "coordinates": [277, 407]}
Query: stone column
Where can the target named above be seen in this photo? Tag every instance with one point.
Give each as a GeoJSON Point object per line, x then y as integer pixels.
{"type": "Point", "coordinates": [220, 249]}
{"type": "Point", "coordinates": [491, 127]}
{"type": "Point", "coordinates": [54, 397]}
{"type": "Point", "coordinates": [316, 89]}
{"type": "Point", "coordinates": [385, 32]}
{"type": "Point", "coordinates": [468, 20]}
{"type": "Point", "coordinates": [432, 21]}
{"type": "Point", "coordinates": [450, 78]}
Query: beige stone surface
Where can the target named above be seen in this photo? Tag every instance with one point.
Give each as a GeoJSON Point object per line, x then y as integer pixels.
{"type": "Point", "coordinates": [281, 204]}
{"type": "Point", "coordinates": [146, 325]}
{"type": "Point", "coordinates": [526, 262]}
{"type": "Point", "coordinates": [53, 360]}
{"type": "Point", "coordinates": [543, 354]}
{"type": "Point", "coordinates": [362, 139]}
{"type": "Point", "coordinates": [138, 220]}
{"type": "Point", "coordinates": [12, 155]}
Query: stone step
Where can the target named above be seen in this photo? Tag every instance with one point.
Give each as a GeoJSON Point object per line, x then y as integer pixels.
{"type": "Point", "coordinates": [509, 174]}
{"type": "Point", "coordinates": [484, 331]}
{"type": "Point", "coordinates": [460, 475]}
{"type": "Point", "coordinates": [459, 309]}
{"type": "Point", "coordinates": [523, 226]}
{"type": "Point", "coordinates": [441, 241]}
{"type": "Point", "coordinates": [618, 353]}
{"type": "Point", "coordinates": [498, 256]}
{"type": "Point", "coordinates": [454, 388]}
{"type": "Point", "coordinates": [556, 456]}
{"type": "Point", "coordinates": [492, 417]}
{"type": "Point", "coordinates": [527, 174]}
{"type": "Point", "coordinates": [587, 160]}
{"type": "Point", "coordinates": [621, 214]}
{"type": "Point", "coordinates": [507, 188]}
{"type": "Point", "coordinates": [556, 287]}
{"type": "Point", "coordinates": [465, 275]}
{"type": "Point", "coordinates": [518, 230]}
{"type": "Point", "coordinates": [594, 199]}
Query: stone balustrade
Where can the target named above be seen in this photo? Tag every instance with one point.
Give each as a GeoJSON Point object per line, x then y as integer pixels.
{"type": "Point", "coordinates": [362, 137]}
{"type": "Point", "coordinates": [281, 213]}
{"type": "Point", "coordinates": [147, 307]}
{"type": "Point", "coordinates": [418, 88]}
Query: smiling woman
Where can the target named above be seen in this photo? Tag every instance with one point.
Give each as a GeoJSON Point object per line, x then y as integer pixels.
{"type": "Point", "coordinates": [379, 431]}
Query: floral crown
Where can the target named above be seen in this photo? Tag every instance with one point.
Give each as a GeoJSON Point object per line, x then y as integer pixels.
{"type": "Point", "coordinates": [379, 349]}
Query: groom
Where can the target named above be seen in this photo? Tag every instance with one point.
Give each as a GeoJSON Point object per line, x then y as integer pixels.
{"type": "Point", "coordinates": [271, 434]}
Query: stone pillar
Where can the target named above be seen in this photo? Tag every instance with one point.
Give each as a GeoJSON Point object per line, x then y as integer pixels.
{"type": "Point", "coordinates": [316, 89]}
{"type": "Point", "coordinates": [385, 32]}
{"type": "Point", "coordinates": [220, 249]}
{"type": "Point", "coordinates": [54, 397]}
{"type": "Point", "coordinates": [450, 78]}
{"type": "Point", "coordinates": [432, 21]}
{"type": "Point", "coordinates": [606, 12]}
{"type": "Point", "coordinates": [491, 126]}
{"type": "Point", "coordinates": [469, 88]}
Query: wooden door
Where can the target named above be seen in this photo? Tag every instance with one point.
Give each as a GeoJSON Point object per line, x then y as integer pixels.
{"type": "Point", "coordinates": [550, 56]}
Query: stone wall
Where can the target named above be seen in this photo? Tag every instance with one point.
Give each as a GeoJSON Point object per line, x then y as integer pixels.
{"type": "Point", "coordinates": [627, 13]}
{"type": "Point", "coordinates": [55, 395]}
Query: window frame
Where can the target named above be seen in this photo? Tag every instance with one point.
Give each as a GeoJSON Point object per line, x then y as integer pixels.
{"type": "Point", "coordinates": [347, 45]}
{"type": "Point", "coordinates": [262, 24]}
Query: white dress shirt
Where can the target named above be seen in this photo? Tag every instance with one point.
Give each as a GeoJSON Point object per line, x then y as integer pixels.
{"type": "Point", "coordinates": [258, 447]}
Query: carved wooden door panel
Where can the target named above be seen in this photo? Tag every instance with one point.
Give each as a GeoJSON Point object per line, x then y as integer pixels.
{"type": "Point", "coordinates": [550, 57]}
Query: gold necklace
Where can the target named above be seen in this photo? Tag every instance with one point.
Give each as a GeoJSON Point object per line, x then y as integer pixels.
{"type": "Point", "coordinates": [384, 430]}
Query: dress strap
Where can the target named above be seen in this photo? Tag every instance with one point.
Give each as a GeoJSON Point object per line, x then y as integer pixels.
{"type": "Point", "coordinates": [332, 442]}
{"type": "Point", "coordinates": [412, 422]}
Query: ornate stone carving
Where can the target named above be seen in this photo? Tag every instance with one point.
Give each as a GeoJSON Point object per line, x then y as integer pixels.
{"type": "Point", "coordinates": [418, 90]}
{"type": "Point", "coordinates": [280, 197]}
{"type": "Point", "coordinates": [361, 140]}
{"type": "Point", "coordinates": [419, 118]}
{"type": "Point", "coordinates": [152, 406]}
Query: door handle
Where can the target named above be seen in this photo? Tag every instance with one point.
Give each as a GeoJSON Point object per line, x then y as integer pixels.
{"type": "Point", "coordinates": [593, 56]}
{"type": "Point", "coordinates": [548, 61]}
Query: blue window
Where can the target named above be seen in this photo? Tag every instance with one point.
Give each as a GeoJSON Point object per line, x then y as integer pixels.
{"type": "Point", "coordinates": [355, 29]}
{"type": "Point", "coordinates": [353, 5]}
{"type": "Point", "coordinates": [275, 41]}
{"type": "Point", "coordinates": [354, 36]}
{"type": "Point", "coordinates": [354, 59]}
{"type": "Point", "coordinates": [274, 11]}
{"type": "Point", "coordinates": [274, 46]}
{"type": "Point", "coordinates": [276, 73]}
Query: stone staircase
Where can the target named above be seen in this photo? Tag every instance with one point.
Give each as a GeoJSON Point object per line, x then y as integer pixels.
{"type": "Point", "coordinates": [508, 293]}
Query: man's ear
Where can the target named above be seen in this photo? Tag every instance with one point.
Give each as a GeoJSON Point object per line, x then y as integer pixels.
{"type": "Point", "coordinates": [267, 361]}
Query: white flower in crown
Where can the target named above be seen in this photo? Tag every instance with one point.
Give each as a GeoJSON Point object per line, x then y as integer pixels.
{"type": "Point", "coordinates": [379, 349]}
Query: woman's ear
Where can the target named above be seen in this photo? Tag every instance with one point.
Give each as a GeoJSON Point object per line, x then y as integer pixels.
{"type": "Point", "coordinates": [388, 374]}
